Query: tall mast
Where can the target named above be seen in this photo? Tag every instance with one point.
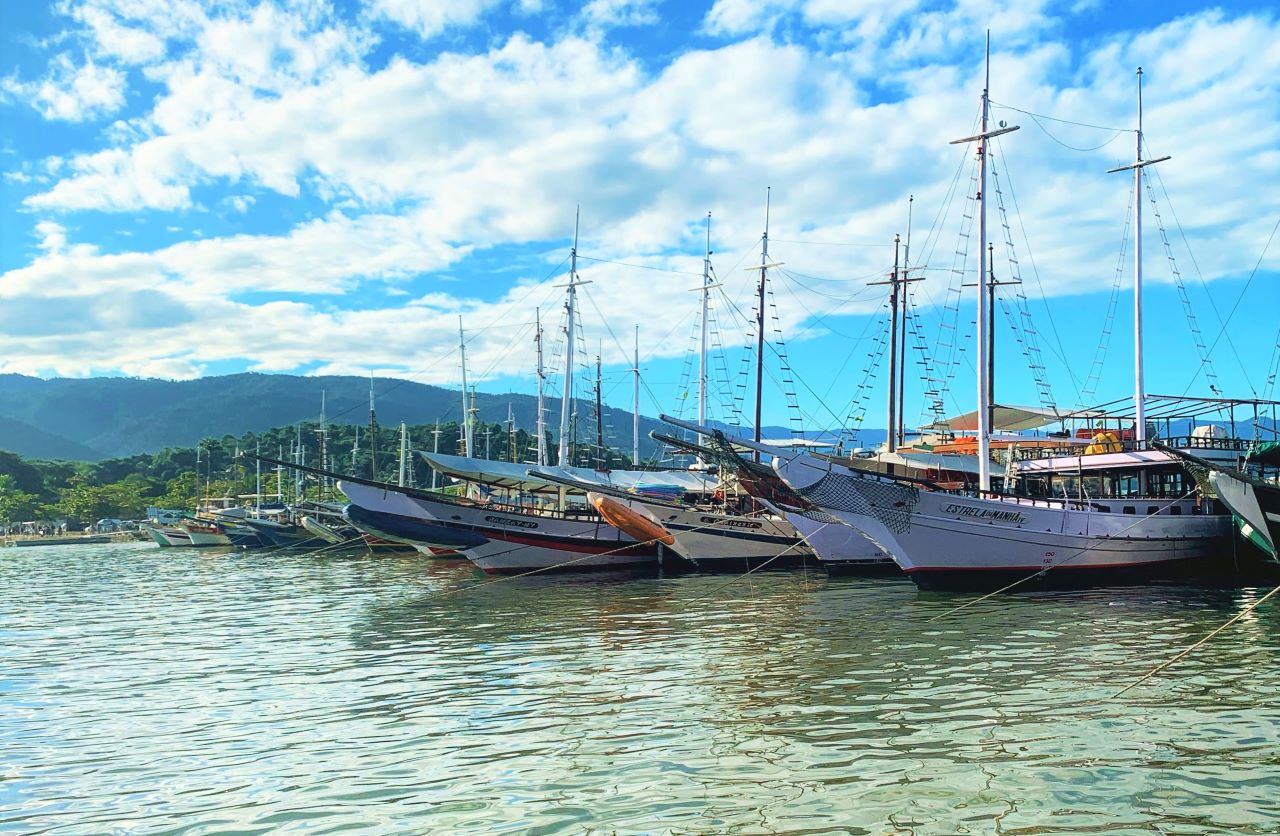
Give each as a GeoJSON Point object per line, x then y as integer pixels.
{"type": "Point", "coordinates": [984, 371]}
{"type": "Point", "coordinates": [897, 282]}
{"type": "Point", "coordinates": [764, 266]}
{"type": "Point", "coordinates": [257, 449]}
{"type": "Point", "coordinates": [1139, 382]}
{"type": "Point", "coordinates": [541, 422]}
{"type": "Point", "coordinates": [472, 420]}
{"type": "Point", "coordinates": [373, 434]}
{"type": "Point", "coordinates": [635, 405]}
{"type": "Point", "coordinates": [323, 439]}
{"type": "Point", "coordinates": [404, 453]}
{"type": "Point", "coordinates": [599, 420]}
{"type": "Point", "coordinates": [571, 311]}
{"type": "Point", "coordinates": [893, 350]}
{"type": "Point", "coordinates": [511, 432]}
{"type": "Point", "coordinates": [902, 348]}
{"type": "Point", "coordinates": [301, 458]}
{"type": "Point", "coordinates": [435, 448]}
{"type": "Point", "coordinates": [465, 437]}
{"type": "Point", "coordinates": [280, 476]}
{"type": "Point", "coordinates": [702, 353]}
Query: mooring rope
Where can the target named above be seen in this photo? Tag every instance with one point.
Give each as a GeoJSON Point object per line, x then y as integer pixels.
{"type": "Point", "coordinates": [1052, 566]}
{"type": "Point", "coordinates": [802, 539]}
{"type": "Point", "coordinates": [1192, 648]}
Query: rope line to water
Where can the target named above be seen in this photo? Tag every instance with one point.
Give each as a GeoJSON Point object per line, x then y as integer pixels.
{"type": "Point", "coordinates": [802, 539]}
{"type": "Point", "coordinates": [1192, 648]}
{"type": "Point", "coordinates": [1072, 556]}
{"type": "Point", "coordinates": [276, 549]}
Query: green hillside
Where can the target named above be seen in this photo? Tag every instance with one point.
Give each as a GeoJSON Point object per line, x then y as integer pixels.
{"type": "Point", "coordinates": [106, 417]}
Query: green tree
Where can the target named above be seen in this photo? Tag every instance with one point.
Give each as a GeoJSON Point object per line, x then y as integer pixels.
{"type": "Point", "coordinates": [15, 505]}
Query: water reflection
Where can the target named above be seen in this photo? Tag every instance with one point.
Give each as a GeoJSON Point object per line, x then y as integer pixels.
{"type": "Point", "coordinates": [149, 690]}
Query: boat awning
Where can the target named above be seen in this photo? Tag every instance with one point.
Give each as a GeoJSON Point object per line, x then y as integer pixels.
{"type": "Point", "coordinates": [924, 460]}
{"type": "Point", "coordinates": [517, 476]}
{"type": "Point", "coordinates": [1266, 452]}
{"type": "Point", "coordinates": [1007, 419]}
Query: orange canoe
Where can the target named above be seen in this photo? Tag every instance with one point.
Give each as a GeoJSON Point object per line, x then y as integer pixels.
{"type": "Point", "coordinates": [630, 521]}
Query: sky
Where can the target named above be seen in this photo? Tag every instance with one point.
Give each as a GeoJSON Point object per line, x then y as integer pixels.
{"type": "Point", "coordinates": [196, 188]}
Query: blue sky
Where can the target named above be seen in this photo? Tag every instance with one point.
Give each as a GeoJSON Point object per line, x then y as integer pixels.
{"type": "Point", "coordinates": [197, 188]}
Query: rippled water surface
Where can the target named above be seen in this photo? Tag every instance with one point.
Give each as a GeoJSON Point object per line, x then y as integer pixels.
{"type": "Point", "coordinates": [163, 691]}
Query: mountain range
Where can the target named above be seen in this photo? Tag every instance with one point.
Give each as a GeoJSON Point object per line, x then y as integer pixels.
{"type": "Point", "coordinates": [90, 419]}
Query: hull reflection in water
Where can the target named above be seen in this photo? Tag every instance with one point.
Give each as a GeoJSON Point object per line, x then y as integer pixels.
{"type": "Point", "coordinates": [157, 691]}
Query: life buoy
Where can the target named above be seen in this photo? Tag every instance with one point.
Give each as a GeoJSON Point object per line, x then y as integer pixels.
{"type": "Point", "coordinates": [629, 521]}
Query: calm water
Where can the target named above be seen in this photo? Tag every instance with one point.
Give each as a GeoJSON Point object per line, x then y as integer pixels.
{"type": "Point", "coordinates": [149, 691]}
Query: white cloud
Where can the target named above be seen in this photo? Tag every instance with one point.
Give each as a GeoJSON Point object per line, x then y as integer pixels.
{"type": "Point", "coordinates": [71, 93]}
{"type": "Point", "coordinates": [128, 44]}
{"type": "Point", "coordinates": [149, 176]}
{"type": "Point", "coordinates": [53, 236]}
{"type": "Point", "coordinates": [737, 17]}
{"type": "Point", "coordinates": [611, 14]}
{"type": "Point", "coordinates": [417, 163]}
{"type": "Point", "coordinates": [429, 18]}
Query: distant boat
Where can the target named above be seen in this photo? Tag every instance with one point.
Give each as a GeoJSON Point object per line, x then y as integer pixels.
{"type": "Point", "coordinates": [326, 533]}
{"type": "Point", "coordinates": [167, 536]}
{"type": "Point", "coordinates": [203, 533]}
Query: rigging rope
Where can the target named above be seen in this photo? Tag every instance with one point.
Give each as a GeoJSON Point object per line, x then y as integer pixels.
{"type": "Point", "coordinates": [1044, 299]}
{"type": "Point", "coordinates": [1108, 323]}
{"type": "Point", "coordinates": [1023, 327]}
{"type": "Point", "coordinates": [1213, 306]}
{"type": "Point", "coordinates": [1206, 362]}
{"type": "Point", "coordinates": [1240, 299]}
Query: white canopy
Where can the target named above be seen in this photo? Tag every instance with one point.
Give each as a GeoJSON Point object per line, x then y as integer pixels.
{"type": "Point", "coordinates": [1006, 418]}
{"type": "Point", "coordinates": [517, 476]}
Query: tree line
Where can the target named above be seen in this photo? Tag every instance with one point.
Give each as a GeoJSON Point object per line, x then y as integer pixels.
{"type": "Point", "coordinates": [81, 493]}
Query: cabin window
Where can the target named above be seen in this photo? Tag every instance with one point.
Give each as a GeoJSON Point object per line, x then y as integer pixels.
{"type": "Point", "coordinates": [1152, 510]}
{"type": "Point", "coordinates": [1106, 509]}
{"type": "Point", "coordinates": [1128, 509]}
{"type": "Point", "coordinates": [1176, 511]}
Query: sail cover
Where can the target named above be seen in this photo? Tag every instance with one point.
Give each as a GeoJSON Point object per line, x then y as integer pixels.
{"type": "Point", "coordinates": [517, 477]}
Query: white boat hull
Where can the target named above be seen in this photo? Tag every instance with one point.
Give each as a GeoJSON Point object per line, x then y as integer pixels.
{"type": "Point", "coordinates": [168, 536]}
{"type": "Point", "coordinates": [839, 546]}
{"type": "Point", "coordinates": [945, 540]}
{"type": "Point", "coordinates": [519, 541]}
{"type": "Point", "coordinates": [205, 536]}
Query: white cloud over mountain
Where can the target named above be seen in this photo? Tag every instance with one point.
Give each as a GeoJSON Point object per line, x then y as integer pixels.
{"type": "Point", "coordinates": [410, 150]}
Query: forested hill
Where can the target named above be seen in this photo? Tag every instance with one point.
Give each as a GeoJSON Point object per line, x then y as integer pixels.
{"type": "Point", "coordinates": [91, 419]}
